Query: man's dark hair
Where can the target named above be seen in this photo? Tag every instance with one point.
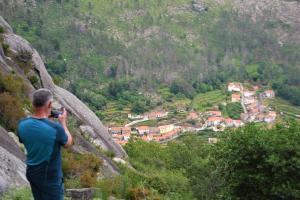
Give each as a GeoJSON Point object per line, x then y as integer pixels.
{"type": "Point", "coordinates": [41, 97]}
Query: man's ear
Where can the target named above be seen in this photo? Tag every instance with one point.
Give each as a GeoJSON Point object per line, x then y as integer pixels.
{"type": "Point", "coordinates": [50, 104]}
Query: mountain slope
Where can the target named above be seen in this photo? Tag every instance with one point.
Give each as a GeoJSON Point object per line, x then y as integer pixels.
{"type": "Point", "coordinates": [103, 51]}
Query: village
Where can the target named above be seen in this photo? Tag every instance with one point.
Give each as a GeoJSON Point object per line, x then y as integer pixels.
{"type": "Point", "coordinates": [250, 98]}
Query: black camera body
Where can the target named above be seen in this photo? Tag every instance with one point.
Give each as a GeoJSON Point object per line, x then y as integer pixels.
{"type": "Point", "coordinates": [55, 113]}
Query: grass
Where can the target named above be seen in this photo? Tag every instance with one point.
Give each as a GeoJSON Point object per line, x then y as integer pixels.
{"type": "Point", "coordinates": [205, 101]}
{"type": "Point", "coordinates": [289, 111]}
{"type": "Point", "coordinates": [18, 194]}
{"type": "Point", "coordinates": [147, 123]}
{"type": "Point", "coordinates": [232, 110]}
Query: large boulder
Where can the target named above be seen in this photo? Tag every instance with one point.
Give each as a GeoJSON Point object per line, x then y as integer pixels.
{"type": "Point", "coordinates": [7, 142]}
{"type": "Point", "coordinates": [12, 171]}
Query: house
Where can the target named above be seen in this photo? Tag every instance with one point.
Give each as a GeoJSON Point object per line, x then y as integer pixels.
{"type": "Point", "coordinates": [212, 140]}
{"type": "Point", "coordinates": [115, 130]}
{"type": "Point", "coordinates": [237, 123]}
{"type": "Point", "coordinates": [147, 138]}
{"type": "Point", "coordinates": [244, 116]}
{"type": "Point", "coordinates": [269, 94]}
{"type": "Point", "coordinates": [126, 136]}
{"type": "Point", "coordinates": [135, 117]}
{"type": "Point", "coordinates": [260, 117]}
{"type": "Point", "coordinates": [270, 117]}
{"type": "Point", "coordinates": [250, 100]}
{"type": "Point", "coordinates": [254, 111]}
{"type": "Point", "coordinates": [142, 130]}
{"type": "Point", "coordinates": [120, 130]}
{"type": "Point", "coordinates": [214, 121]}
{"type": "Point", "coordinates": [235, 87]}
{"type": "Point", "coordinates": [248, 93]}
{"type": "Point", "coordinates": [126, 130]}
{"type": "Point", "coordinates": [154, 130]}
{"type": "Point", "coordinates": [157, 114]}
{"type": "Point", "coordinates": [229, 122]}
{"type": "Point", "coordinates": [256, 87]}
{"type": "Point", "coordinates": [166, 128]}
{"type": "Point", "coordinates": [235, 97]}
{"type": "Point", "coordinates": [214, 113]}
{"type": "Point", "coordinates": [192, 116]}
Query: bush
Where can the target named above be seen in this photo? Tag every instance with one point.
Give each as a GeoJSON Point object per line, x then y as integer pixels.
{"type": "Point", "coordinates": [2, 29]}
{"type": "Point", "coordinates": [11, 110]}
{"type": "Point", "coordinates": [34, 80]}
{"type": "Point", "coordinates": [88, 179]}
{"type": "Point", "coordinates": [138, 193]}
{"type": "Point", "coordinates": [5, 48]}
{"type": "Point", "coordinates": [84, 166]}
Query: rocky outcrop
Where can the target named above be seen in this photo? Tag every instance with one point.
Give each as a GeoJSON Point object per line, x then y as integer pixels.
{"type": "Point", "coordinates": [8, 143]}
{"type": "Point", "coordinates": [18, 45]}
{"type": "Point", "coordinates": [12, 171]}
{"type": "Point", "coordinates": [12, 166]}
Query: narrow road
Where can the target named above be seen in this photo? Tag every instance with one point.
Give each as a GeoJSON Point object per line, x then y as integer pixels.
{"type": "Point", "coordinates": [136, 121]}
{"type": "Point", "coordinates": [243, 101]}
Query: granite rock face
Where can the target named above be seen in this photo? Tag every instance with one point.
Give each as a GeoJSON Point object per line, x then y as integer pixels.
{"type": "Point", "coordinates": [18, 46]}
{"type": "Point", "coordinates": [12, 171]}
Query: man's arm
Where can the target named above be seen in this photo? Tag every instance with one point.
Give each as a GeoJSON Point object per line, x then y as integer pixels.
{"type": "Point", "coordinates": [63, 121]}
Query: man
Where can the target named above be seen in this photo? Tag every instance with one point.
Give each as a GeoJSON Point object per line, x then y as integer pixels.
{"type": "Point", "coordinates": [43, 139]}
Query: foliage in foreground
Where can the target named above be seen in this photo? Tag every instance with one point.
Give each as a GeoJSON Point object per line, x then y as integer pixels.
{"type": "Point", "coordinates": [247, 163]}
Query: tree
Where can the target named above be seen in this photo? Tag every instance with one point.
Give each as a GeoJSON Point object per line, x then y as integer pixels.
{"type": "Point", "coordinates": [256, 163]}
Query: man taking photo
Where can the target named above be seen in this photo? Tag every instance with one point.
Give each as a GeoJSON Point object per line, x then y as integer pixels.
{"type": "Point", "coordinates": [43, 139]}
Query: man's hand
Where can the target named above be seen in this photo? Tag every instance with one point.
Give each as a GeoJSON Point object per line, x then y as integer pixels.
{"type": "Point", "coordinates": [63, 117]}
{"type": "Point", "coordinates": [63, 121]}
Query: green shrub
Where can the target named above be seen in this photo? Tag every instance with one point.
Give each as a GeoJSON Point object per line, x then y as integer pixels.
{"type": "Point", "coordinates": [34, 80]}
{"type": "Point", "coordinates": [83, 166]}
{"type": "Point", "coordinates": [88, 179]}
{"type": "Point", "coordinates": [5, 48]}
{"type": "Point", "coordinates": [2, 29]}
{"type": "Point", "coordinates": [11, 110]}
{"type": "Point", "coordinates": [18, 194]}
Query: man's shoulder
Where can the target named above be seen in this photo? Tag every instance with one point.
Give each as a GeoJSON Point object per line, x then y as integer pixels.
{"type": "Point", "coordinates": [53, 124]}
{"type": "Point", "coordinates": [24, 120]}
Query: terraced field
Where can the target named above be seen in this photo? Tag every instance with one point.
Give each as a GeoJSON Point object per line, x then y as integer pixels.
{"type": "Point", "coordinates": [113, 114]}
{"type": "Point", "coordinates": [206, 101]}
{"type": "Point", "coordinates": [289, 111]}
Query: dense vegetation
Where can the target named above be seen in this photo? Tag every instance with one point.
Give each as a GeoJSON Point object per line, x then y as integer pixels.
{"type": "Point", "coordinates": [247, 163]}
{"type": "Point", "coordinates": [13, 100]}
{"type": "Point", "coordinates": [126, 51]}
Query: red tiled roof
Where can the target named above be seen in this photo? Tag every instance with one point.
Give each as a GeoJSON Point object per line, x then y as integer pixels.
{"type": "Point", "coordinates": [214, 112]}
{"type": "Point", "coordinates": [143, 128]}
{"type": "Point", "coordinates": [116, 128]}
{"type": "Point", "coordinates": [236, 95]}
{"type": "Point", "coordinates": [212, 119]}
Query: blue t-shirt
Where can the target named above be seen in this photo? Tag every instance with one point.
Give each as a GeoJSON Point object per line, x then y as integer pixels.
{"type": "Point", "coordinates": [43, 139]}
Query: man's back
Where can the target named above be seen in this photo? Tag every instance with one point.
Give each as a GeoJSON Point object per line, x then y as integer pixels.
{"type": "Point", "coordinates": [43, 139]}
{"type": "Point", "coordinates": [38, 138]}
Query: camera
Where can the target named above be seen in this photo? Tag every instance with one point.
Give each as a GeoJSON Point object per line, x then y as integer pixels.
{"type": "Point", "coordinates": [55, 113]}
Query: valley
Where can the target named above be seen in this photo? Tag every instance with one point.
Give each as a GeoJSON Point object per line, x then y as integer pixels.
{"type": "Point", "coordinates": [167, 100]}
{"type": "Point", "coordinates": [238, 105]}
